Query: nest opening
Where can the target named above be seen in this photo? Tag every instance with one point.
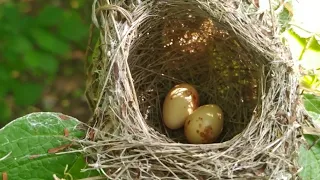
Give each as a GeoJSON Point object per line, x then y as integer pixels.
{"type": "Point", "coordinates": [188, 46]}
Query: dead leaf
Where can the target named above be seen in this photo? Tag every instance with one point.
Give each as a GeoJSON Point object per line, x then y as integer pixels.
{"type": "Point", "coordinates": [260, 171]}
{"type": "Point", "coordinates": [63, 117]}
{"type": "Point", "coordinates": [4, 176]}
{"type": "Point", "coordinates": [34, 156]}
{"type": "Point", "coordinates": [66, 132]}
{"type": "Point", "coordinates": [78, 55]}
{"type": "Point", "coordinates": [91, 134]}
{"type": "Point", "coordinates": [58, 149]}
{"type": "Point", "coordinates": [255, 3]}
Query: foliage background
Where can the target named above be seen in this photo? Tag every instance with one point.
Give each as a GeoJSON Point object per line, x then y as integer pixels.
{"type": "Point", "coordinates": [42, 47]}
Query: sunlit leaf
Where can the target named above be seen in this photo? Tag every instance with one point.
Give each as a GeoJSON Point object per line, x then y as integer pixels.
{"type": "Point", "coordinates": [310, 82]}
{"type": "Point", "coordinates": [310, 58]}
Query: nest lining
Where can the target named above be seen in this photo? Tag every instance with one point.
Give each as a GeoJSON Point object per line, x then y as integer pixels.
{"type": "Point", "coordinates": [134, 71]}
{"type": "Point", "coordinates": [187, 47]}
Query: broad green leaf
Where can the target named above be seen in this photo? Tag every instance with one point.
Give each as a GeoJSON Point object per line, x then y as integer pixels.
{"type": "Point", "coordinates": [29, 147]}
{"type": "Point", "coordinates": [309, 159]}
{"type": "Point", "coordinates": [26, 94]}
{"type": "Point", "coordinates": [41, 61]}
{"type": "Point", "coordinates": [47, 41]}
{"type": "Point", "coordinates": [72, 27]}
{"type": "Point", "coordinates": [50, 16]}
{"type": "Point", "coordinates": [310, 58]}
{"type": "Point", "coordinates": [312, 105]}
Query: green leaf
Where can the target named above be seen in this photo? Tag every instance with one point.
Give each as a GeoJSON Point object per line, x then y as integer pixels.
{"type": "Point", "coordinates": [79, 164]}
{"type": "Point", "coordinates": [72, 28]}
{"type": "Point", "coordinates": [310, 159]}
{"type": "Point", "coordinates": [49, 42]}
{"type": "Point", "coordinates": [26, 142]}
{"type": "Point", "coordinates": [41, 61]}
{"type": "Point", "coordinates": [50, 16]}
{"type": "Point", "coordinates": [312, 105]}
{"type": "Point", "coordinates": [26, 94]}
{"type": "Point", "coordinates": [310, 57]}
{"type": "Point", "coordinates": [308, 81]}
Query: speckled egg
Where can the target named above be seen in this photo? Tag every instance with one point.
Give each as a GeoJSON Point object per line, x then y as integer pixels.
{"type": "Point", "coordinates": [179, 103]}
{"type": "Point", "coordinates": [204, 125]}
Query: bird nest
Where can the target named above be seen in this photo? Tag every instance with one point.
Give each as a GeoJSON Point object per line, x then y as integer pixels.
{"type": "Point", "coordinates": [148, 47]}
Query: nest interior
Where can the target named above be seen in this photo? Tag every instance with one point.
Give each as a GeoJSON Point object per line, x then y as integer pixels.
{"type": "Point", "coordinates": [186, 45]}
{"type": "Point", "coordinates": [148, 47]}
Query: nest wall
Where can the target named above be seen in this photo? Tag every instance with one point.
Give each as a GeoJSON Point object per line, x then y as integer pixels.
{"type": "Point", "coordinates": [147, 47]}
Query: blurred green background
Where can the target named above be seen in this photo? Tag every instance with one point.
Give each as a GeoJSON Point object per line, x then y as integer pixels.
{"type": "Point", "coordinates": [42, 55]}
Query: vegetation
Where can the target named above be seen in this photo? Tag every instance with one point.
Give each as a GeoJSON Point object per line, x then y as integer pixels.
{"type": "Point", "coordinates": [37, 37]}
{"type": "Point", "coordinates": [303, 38]}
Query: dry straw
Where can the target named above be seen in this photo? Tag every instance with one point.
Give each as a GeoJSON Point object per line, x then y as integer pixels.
{"type": "Point", "coordinates": [231, 57]}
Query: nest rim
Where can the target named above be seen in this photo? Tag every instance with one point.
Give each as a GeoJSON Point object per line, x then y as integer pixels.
{"type": "Point", "coordinates": [256, 128]}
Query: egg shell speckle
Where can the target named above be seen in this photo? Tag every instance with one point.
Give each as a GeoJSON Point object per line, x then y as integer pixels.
{"type": "Point", "coordinates": [204, 125]}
